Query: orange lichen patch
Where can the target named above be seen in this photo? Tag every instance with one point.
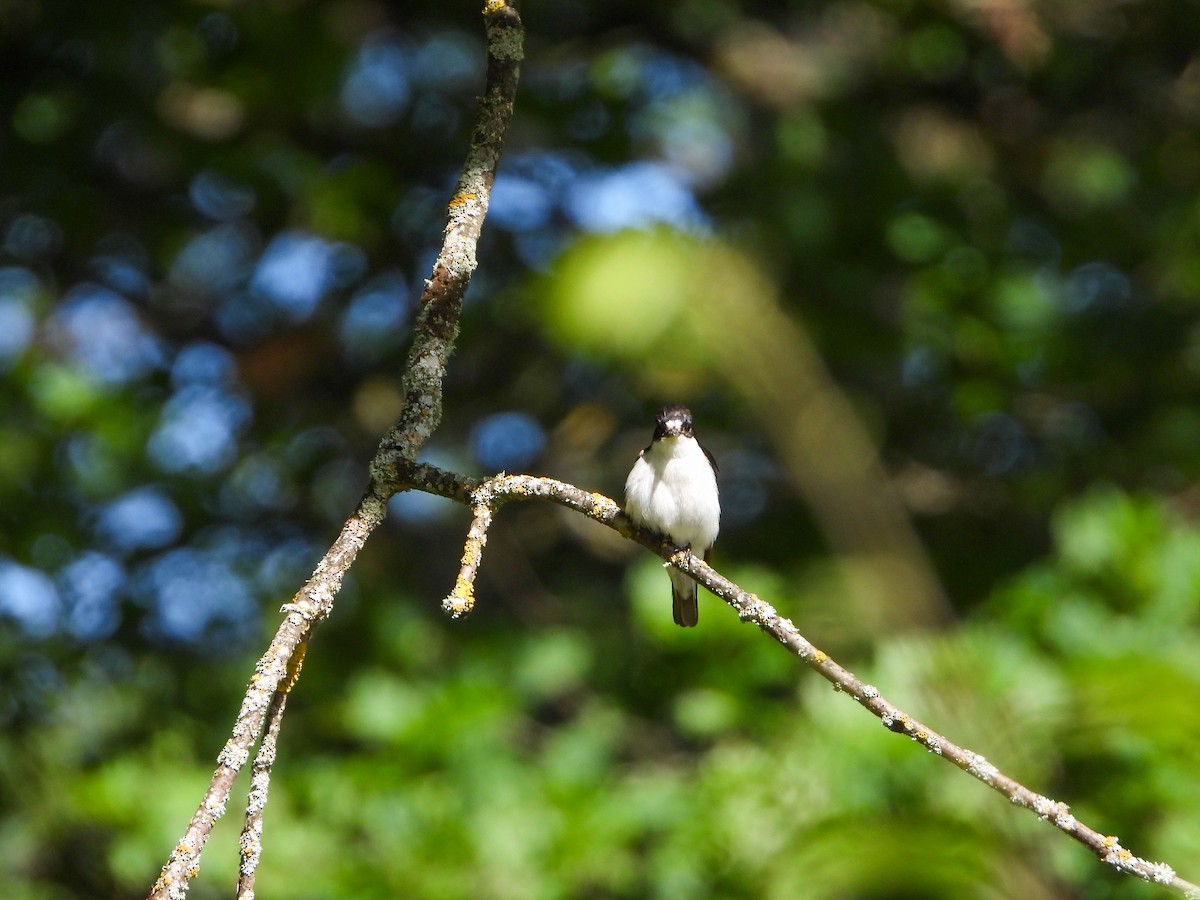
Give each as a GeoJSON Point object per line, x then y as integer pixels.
{"type": "Point", "coordinates": [294, 667]}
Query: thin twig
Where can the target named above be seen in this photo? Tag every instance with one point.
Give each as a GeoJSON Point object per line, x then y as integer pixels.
{"type": "Point", "coordinates": [441, 301]}
{"type": "Point", "coordinates": [312, 604]}
{"type": "Point", "coordinates": [488, 496]}
{"type": "Point", "coordinates": [250, 844]}
{"type": "Point", "coordinates": [260, 782]}
{"type": "Point", "coordinates": [434, 334]}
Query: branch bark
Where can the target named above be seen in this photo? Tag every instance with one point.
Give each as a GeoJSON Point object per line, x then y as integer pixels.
{"type": "Point", "coordinates": [394, 469]}
{"type": "Point", "coordinates": [434, 334]}
{"type": "Point", "coordinates": [487, 497]}
{"type": "Point", "coordinates": [260, 782]}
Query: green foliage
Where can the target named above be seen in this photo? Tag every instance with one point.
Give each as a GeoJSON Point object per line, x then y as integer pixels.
{"type": "Point", "coordinates": [1116, 613]}
{"type": "Point", "coordinates": [214, 222]}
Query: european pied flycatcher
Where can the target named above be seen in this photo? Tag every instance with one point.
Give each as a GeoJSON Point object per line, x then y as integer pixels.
{"type": "Point", "coordinates": [672, 489]}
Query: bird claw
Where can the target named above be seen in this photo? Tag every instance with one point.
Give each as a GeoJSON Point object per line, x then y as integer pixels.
{"type": "Point", "coordinates": [678, 557]}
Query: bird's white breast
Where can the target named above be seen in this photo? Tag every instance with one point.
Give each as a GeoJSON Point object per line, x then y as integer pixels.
{"type": "Point", "coordinates": [672, 488]}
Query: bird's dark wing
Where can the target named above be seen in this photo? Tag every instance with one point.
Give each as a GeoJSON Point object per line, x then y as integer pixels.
{"type": "Point", "coordinates": [711, 460]}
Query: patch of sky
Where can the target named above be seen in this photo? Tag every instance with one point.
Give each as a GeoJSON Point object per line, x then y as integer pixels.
{"type": "Point", "coordinates": [519, 203]}
{"type": "Point", "coordinates": [202, 362]}
{"type": "Point", "coordinates": [19, 289]}
{"type": "Point", "coordinates": [91, 588]}
{"type": "Point", "coordinates": [376, 318]}
{"type": "Point", "coordinates": [508, 441]}
{"type": "Point", "coordinates": [101, 332]}
{"type": "Point", "coordinates": [188, 593]}
{"type": "Point", "coordinates": [220, 197]}
{"type": "Point", "coordinates": [29, 598]}
{"type": "Point", "coordinates": [198, 430]}
{"type": "Point", "coordinates": [142, 519]}
{"type": "Point", "coordinates": [636, 195]}
{"type": "Point", "coordinates": [296, 270]}
{"type": "Point", "coordinates": [532, 185]}
{"type": "Point", "coordinates": [217, 260]}
{"type": "Point", "coordinates": [450, 61]}
{"type": "Point", "coordinates": [376, 87]}
{"type": "Point", "coordinates": [420, 508]}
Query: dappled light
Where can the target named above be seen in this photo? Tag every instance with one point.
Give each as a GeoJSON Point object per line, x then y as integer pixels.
{"type": "Point", "coordinates": [508, 441]}
{"type": "Point", "coordinates": [198, 430]}
{"type": "Point", "coordinates": [927, 276]}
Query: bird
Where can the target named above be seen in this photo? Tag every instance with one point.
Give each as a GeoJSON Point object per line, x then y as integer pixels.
{"type": "Point", "coordinates": [672, 489]}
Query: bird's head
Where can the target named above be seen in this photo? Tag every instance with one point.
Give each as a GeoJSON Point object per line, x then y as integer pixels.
{"type": "Point", "coordinates": [673, 421]}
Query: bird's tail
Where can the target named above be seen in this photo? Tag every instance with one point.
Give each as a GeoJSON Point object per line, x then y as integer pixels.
{"type": "Point", "coordinates": [683, 599]}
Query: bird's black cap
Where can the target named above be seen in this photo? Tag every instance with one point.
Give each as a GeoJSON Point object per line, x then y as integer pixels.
{"type": "Point", "coordinates": [673, 420]}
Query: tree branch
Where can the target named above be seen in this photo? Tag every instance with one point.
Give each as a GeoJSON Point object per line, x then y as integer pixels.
{"type": "Point", "coordinates": [260, 782]}
{"type": "Point", "coordinates": [441, 300]}
{"type": "Point", "coordinates": [394, 468]}
{"type": "Point", "coordinates": [487, 497]}
{"type": "Point", "coordinates": [434, 334]}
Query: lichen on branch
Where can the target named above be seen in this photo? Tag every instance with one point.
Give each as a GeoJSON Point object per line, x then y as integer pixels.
{"type": "Point", "coordinates": [487, 497]}
{"type": "Point", "coordinates": [434, 334]}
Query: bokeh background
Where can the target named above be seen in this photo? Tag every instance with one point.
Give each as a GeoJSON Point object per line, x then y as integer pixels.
{"type": "Point", "coordinates": [927, 272]}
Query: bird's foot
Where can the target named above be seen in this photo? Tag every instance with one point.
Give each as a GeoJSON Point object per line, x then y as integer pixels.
{"type": "Point", "coordinates": [679, 557]}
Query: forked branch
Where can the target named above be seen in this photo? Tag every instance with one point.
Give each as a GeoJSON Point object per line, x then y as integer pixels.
{"type": "Point", "coordinates": [434, 334]}
{"type": "Point", "coordinates": [486, 497]}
